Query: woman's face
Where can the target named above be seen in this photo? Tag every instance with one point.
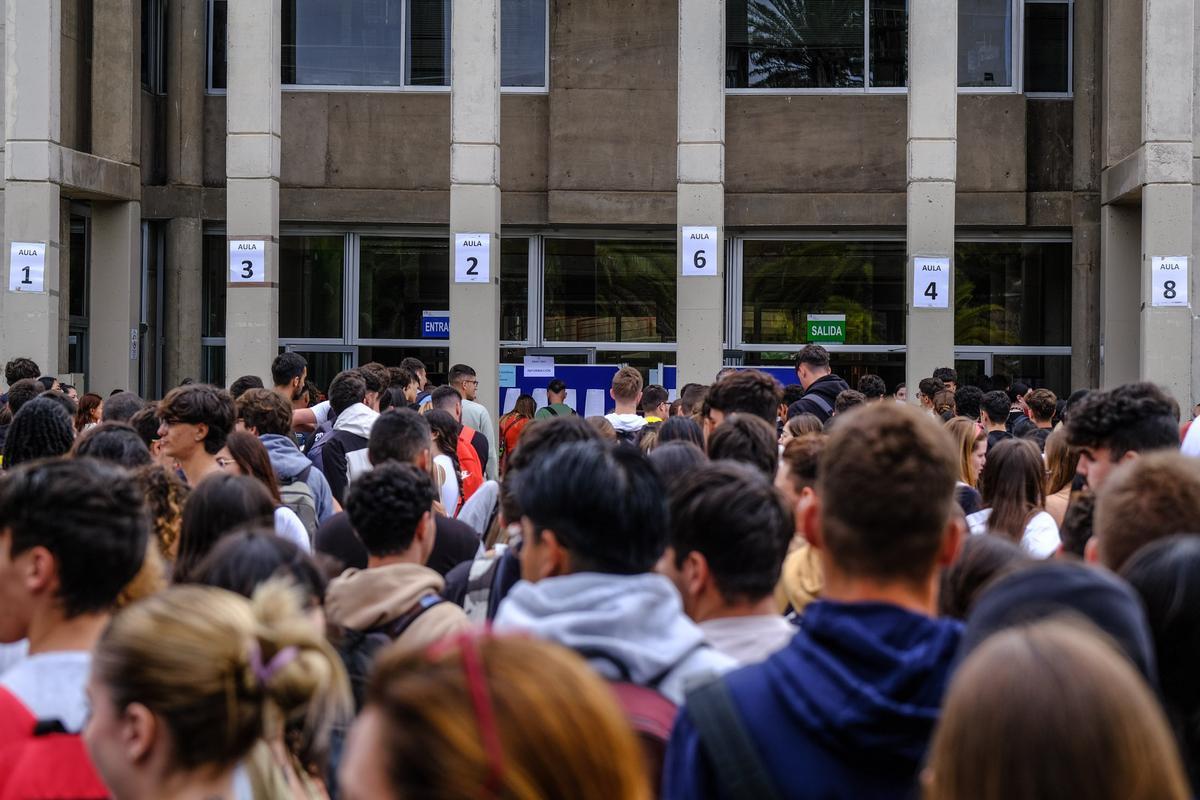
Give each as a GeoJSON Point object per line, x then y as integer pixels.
{"type": "Point", "coordinates": [225, 461]}
{"type": "Point", "coordinates": [786, 436]}
{"type": "Point", "coordinates": [979, 456]}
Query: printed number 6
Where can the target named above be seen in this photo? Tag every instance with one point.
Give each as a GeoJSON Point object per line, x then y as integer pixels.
{"type": "Point", "coordinates": [699, 261]}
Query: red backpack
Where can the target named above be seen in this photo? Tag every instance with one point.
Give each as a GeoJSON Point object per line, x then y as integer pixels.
{"type": "Point", "coordinates": [652, 716]}
{"type": "Point", "coordinates": [39, 761]}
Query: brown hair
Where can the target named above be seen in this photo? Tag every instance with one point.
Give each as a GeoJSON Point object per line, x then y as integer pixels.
{"type": "Point", "coordinates": [967, 434]}
{"type": "Point", "coordinates": [544, 703]}
{"type": "Point", "coordinates": [265, 412]}
{"type": "Point", "coordinates": [804, 423]}
{"type": "Point", "coordinates": [802, 455]}
{"type": "Point", "coordinates": [627, 384]}
{"type": "Point", "coordinates": [252, 457]}
{"type": "Point", "coordinates": [1154, 496]}
{"type": "Point", "coordinates": [603, 428]}
{"type": "Point", "coordinates": [89, 410]}
{"type": "Point", "coordinates": [1013, 486]}
{"type": "Point", "coordinates": [165, 495]}
{"type": "Point", "coordinates": [886, 483]}
{"type": "Point", "coordinates": [199, 403]}
{"type": "Point", "coordinates": [1062, 461]}
{"type": "Point", "coordinates": [1042, 403]}
{"type": "Point", "coordinates": [1053, 687]}
{"type": "Point", "coordinates": [944, 401]}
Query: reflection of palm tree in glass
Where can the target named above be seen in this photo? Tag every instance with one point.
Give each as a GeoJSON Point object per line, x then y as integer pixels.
{"type": "Point", "coordinates": [805, 43]}
{"type": "Point", "coordinates": [979, 323]}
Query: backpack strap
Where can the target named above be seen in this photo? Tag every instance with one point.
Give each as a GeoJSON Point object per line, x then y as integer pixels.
{"type": "Point", "coordinates": [648, 712]}
{"type": "Point", "coordinates": [553, 413]}
{"type": "Point", "coordinates": [396, 628]}
{"type": "Point", "coordinates": [303, 476]}
{"type": "Point", "coordinates": [821, 402]}
{"type": "Point", "coordinates": [734, 756]}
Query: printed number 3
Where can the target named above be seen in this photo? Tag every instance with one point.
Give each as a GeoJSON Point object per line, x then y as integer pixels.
{"type": "Point", "coordinates": [247, 269]}
{"type": "Point", "coordinates": [474, 262]}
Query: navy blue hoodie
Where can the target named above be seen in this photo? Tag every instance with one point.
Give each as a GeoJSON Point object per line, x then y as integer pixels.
{"type": "Point", "coordinates": [846, 710]}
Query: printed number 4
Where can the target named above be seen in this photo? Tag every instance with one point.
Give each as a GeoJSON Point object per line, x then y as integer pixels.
{"type": "Point", "coordinates": [1169, 292]}
{"type": "Point", "coordinates": [26, 281]}
{"type": "Point", "coordinates": [474, 262]}
{"type": "Point", "coordinates": [931, 291]}
{"type": "Point", "coordinates": [247, 269]}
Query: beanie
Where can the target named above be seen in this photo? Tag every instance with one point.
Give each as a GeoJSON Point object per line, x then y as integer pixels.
{"type": "Point", "coordinates": [41, 429]}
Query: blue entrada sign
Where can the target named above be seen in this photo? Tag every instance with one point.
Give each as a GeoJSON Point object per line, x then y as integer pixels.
{"type": "Point", "coordinates": [435, 324]}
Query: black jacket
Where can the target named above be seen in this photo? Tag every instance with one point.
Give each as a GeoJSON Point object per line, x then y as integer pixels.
{"type": "Point", "coordinates": [453, 543]}
{"type": "Point", "coordinates": [819, 398]}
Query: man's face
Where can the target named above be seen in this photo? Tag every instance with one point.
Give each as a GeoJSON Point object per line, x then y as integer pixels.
{"type": "Point", "coordinates": [298, 385]}
{"type": "Point", "coordinates": [180, 439]}
{"type": "Point", "coordinates": [470, 387]}
{"type": "Point", "coordinates": [422, 381]}
{"type": "Point", "coordinates": [456, 412]}
{"type": "Point", "coordinates": [1095, 464]}
{"type": "Point", "coordinates": [951, 386]}
{"type": "Point", "coordinates": [14, 592]}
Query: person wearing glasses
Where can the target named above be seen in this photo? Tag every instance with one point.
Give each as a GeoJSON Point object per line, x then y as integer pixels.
{"type": "Point", "coordinates": [194, 422]}
{"type": "Point", "coordinates": [474, 415]}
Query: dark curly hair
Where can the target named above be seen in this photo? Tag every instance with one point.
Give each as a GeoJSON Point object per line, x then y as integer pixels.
{"type": "Point", "coordinates": [165, 495]}
{"type": "Point", "coordinates": [20, 368]}
{"type": "Point", "coordinates": [114, 442]}
{"type": "Point", "coordinates": [386, 504]}
{"type": "Point", "coordinates": [41, 429]}
{"type": "Point", "coordinates": [1136, 417]}
{"type": "Point", "coordinates": [265, 412]}
{"type": "Point", "coordinates": [749, 391]}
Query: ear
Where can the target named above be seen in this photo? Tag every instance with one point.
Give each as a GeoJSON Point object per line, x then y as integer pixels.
{"type": "Point", "coordinates": [139, 730]}
{"type": "Point", "coordinates": [202, 429]}
{"type": "Point", "coordinates": [695, 574]}
{"type": "Point", "coordinates": [425, 528]}
{"type": "Point", "coordinates": [557, 560]}
{"type": "Point", "coordinates": [1130, 455]}
{"type": "Point", "coordinates": [40, 572]}
{"type": "Point", "coordinates": [1091, 551]}
{"type": "Point", "coordinates": [952, 541]}
{"type": "Point", "coordinates": [814, 534]}
{"type": "Point", "coordinates": [610, 394]}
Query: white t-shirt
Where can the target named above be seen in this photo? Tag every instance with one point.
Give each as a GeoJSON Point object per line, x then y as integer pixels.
{"type": "Point", "coordinates": [1040, 539]}
{"type": "Point", "coordinates": [748, 639]}
{"type": "Point", "coordinates": [449, 485]}
{"type": "Point", "coordinates": [321, 412]}
{"type": "Point", "coordinates": [288, 526]}
{"type": "Point", "coordinates": [51, 686]}
{"type": "Point", "coordinates": [626, 423]}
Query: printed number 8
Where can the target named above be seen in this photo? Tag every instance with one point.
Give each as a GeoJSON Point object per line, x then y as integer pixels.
{"type": "Point", "coordinates": [1169, 292]}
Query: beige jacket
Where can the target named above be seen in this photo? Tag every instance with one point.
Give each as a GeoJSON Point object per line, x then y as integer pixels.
{"type": "Point", "coordinates": [361, 599]}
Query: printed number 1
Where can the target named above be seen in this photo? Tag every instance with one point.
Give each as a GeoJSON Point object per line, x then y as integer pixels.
{"type": "Point", "coordinates": [27, 281]}
{"type": "Point", "coordinates": [1169, 292]}
{"type": "Point", "coordinates": [247, 269]}
{"type": "Point", "coordinates": [931, 291]}
{"type": "Point", "coordinates": [474, 262]}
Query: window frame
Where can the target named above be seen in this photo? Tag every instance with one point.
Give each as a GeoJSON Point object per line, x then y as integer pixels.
{"type": "Point", "coordinates": [156, 55]}
{"type": "Point", "coordinates": [1070, 92]}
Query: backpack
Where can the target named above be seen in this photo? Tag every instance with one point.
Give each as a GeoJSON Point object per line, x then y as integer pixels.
{"type": "Point", "coordinates": [357, 649]}
{"type": "Point", "coordinates": [739, 770]}
{"type": "Point", "coordinates": [39, 759]}
{"type": "Point", "coordinates": [651, 716]}
{"type": "Point", "coordinates": [298, 496]}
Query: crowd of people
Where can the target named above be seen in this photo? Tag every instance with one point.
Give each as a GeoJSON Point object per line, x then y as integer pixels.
{"type": "Point", "coordinates": [750, 591]}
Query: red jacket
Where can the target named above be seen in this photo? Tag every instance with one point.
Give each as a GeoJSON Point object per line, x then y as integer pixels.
{"type": "Point", "coordinates": [50, 766]}
{"type": "Point", "coordinates": [468, 462]}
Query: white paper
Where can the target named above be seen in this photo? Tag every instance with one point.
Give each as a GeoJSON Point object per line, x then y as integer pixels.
{"type": "Point", "coordinates": [931, 283]}
{"type": "Point", "coordinates": [1169, 281]}
{"type": "Point", "coordinates": [27, 267]}
{"type": "Point", "coordinates": [247, 261]}
{"type": "Point", "coordinates": [539, 366]}
{"type": "Point", "coordinates": [699, 252]}
{"type": "Point", "coordinates": [472, 263]}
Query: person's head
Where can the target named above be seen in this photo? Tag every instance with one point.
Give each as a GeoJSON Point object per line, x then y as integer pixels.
{"type": "Point", "coordinates": [402, 435]}
{"type": "Point", "coordinates": [801, 424]}
{"type": "Point", "coordinates": [948, 376]}
{"type": "Point", "coordinates": [846, 400]}
{"type": "Point", "coordinates": [69, 391]}
{"type": "Point", "coordinates": [680, 429]}
{"type": "Point", "coordinates": [1042, 404]}
{"type": "Point", "coordinates": [927, 390]}
{"type": "Point", "coordinates": [185, 682]}
{"type": "Point", "coordinates": [463, 378]}
{"type": "Point", "coordinates": [692, 395]}
{"type": "Point", "coordinates": [872, 387]}
{"type": "Point", "coordinates": [444, 430]}
{"type": "Point", "coordinates": [626, 388]}
{"type": "Point", "coordinates": [1149, 498]}
{"type": "Point", "coordinates": [1018, 392]}
{"type": "Point", "coordinates": [431, 714]}
{"type": "Point", "coordinates": [88, 410]}
{"type": "Point", "coordinates": [884, 507]}
{"type": "Point", "coordinates": [654, 401]}
{"type": "Point", "coordinates": [289, 371]}
{"type": "Point", "coordinates": [67, 403]}
{"type": "Point", "coordinates": [1116, 426]}
{"type": "Point", "coordinates": [1013, 486]}
{"type": "Point", "coordinates": [730, 531]}
{"type": "Point", "coordinates": [403, 381]}
{"type": "Point", "coordinates": [993, 409]}
{"type": "Point", "coordinates": [747, 439]}
{"type": "Point", "coordinates": [73, 533]}
{"type": "Point", "coordinates": [812, 362]}
{"type": "Point", "coordinates": [146, 423]}
{"type": "Point", "coordinates": [346, 389]}
{"type": "Point", "coordinates": [19, 369]}
{"type": "Point", "coordinates": [796, 478]}
{"type": "Point", "coordinates": [556, 391]}
{"type": "Point", "coordinates": [901, 393]}
{"type": "Point", "coordinates": [41, 429]}
{"type": "Point", "coordinates": [1166, 575]}
{"type": "Point", "coordinates": [448, 399]}
{"type": "Point", "coordinates": [239, 386]}
{"type": "Point", "coordinates": [603, 428]}
{"type": "Point", "coordinates": [970, 441]}
{"type": "Point", "coordinates": [1001, 382]}
{"type": "Point", "coordinates": [21, 393]}
{"type": "Point", "coordinates": [1076, 529]}
{"type": "Point", "coordinates": [114, 442]}
{"type": "Point", "coordinates": [943, 404]}
{"type": "Point", "coordinates": [417, 368]}
{"type": "Point", "coordinates": [376, 377]}
{"type": "Point", "coordinates": [391, 509]}
{"type": "Point", "coordinates": [1062, 461]}
{"type": "Point", "coordinates": [534, 444]}
{"type": "Point", "coordinates": [165, 494]}
{"type": "Point", "coordinates": [248, 456]}
{"type": "Point", "coordinates": [121, 407]}
{"type": "Point", "coordinates": [1054, 687]}
{"type": "Point", "coordinates": [749, 391]}
{"type": "Point", "coordinates": [967, 400]}
{"type": "Point", "coordinates": [263, 412]}
{"type": "Point", "coordinates": [675, 460]}
{"type": "Point", "coordinates": [525, 406]}
{"type": "Point", "coordinates": [588, 507]}
{"type": "Point", "coordinates": [220, 503]}
{"type": "Point", "coordinates": [194, 417]}
{"type": "Point", "coordinates": [982, 561]}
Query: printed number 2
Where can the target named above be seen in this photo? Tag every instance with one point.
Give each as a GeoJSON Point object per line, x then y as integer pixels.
{"type": "Point", "coordinates": [1169, 292]}
{"type": "Point", "coordinates": [698, 261]}
{"type": "Point", "coordinates": [931, 291]}
{"type": "Point", "coordinates": [27, 281]}
{"type": "Point", "coordinates": [247, 269]}
{"type": "Point", "coordinates": [474, 262]}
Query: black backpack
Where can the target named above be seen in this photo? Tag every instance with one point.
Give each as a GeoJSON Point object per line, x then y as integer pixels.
{"type": "Point", "coordinates": [358, 649]}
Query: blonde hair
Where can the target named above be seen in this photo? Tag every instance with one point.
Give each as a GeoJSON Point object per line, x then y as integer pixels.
{"type": "Point", "coordinates": [1052, 688]}
{"type": "Point", "coordinates": [559, 728]}
{"type": "Point", "coordinates": [967, 433]}
{"type": "Point", "coordinates": [627, 384]}
{"type": "Point", "coordinates": [1061, 462]}
{"type": "Point", "coordinates": [195, 656]}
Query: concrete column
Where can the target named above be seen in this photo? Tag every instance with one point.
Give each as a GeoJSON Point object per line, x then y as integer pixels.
{"type": "Point", "coordinates": [932, 144]}
{"type": "Point", "coordinates": [1167, 151]}
{"type": "Point", "coordinates": [1085, 200]}
{"type": "Point", "coordinates": [183, 284]}
{"type": "Point", "coordinates": [116, 80]}
{"type": "Point", "coordinates": [700, 188]}
{"type": "Point", "coordinates": [475, 187]}
{"type": "Point", "coordinates": [186, 79]}
{"type": "Point", "coordinates": [116, 291]}
{"type": "Point", "coordinates": [252, 112]}
{"type": "Point", "coordinates": [32, 116]}
{"type": "Point", "coordinates": [1120, 338]}
{"type": "Point", "coordinates": [1195, 285]}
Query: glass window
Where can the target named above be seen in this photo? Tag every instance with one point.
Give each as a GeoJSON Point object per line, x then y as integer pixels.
{"type": "Point", "coordinates": [213, 287]}
{"type": "Point", "coordinates": [212, 364]}
{"type": "Point", "coordinates": [849, 366]}
{"type": "Point", "coordinates": [794, 44]}
{"type": "Point", "coordinates": [1047, 47]}
{"type": "Point", "coordinates": [154, 34]}
{"type": "Point", "coordinates": [428, 43]}
{"type": "Point", "coordinates": [323, 365]}
{"type": "Point", "coordinates": [1012, 293]}
{"type": "Point", "coordinates": [218, 29]}
{"type": "Point", "coordinates": [310, 287]}
{"type": "Point", "coordinates": [1037, 371]}
{"type": "Point", "coordinates": [347, 43]}
{"type": "Point", "coordinates": [435, 359]}
{"type": "Point", "coordinates": [783, 282]}
{"type": "Point", "coordinates": [77, 290]}
{"type": "Point", "coordinates": [889, 43]}
{"type": "Point", "coordinates": [985, 43]}
{"type": "Point", "coordinates": [609, 290]}
{"type": "Point", "coordinates": [514, 289]}
{"type": "Point", "coordinates": [399, 279]}
{"type": "Point", "coordinates": [523, 43]}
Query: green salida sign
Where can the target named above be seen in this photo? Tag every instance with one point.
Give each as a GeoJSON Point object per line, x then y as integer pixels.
{"type": "Point", "coordinates": [827, 328]}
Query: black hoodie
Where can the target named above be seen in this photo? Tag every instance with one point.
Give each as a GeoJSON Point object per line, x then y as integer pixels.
{"type": "Point", "coordinates": [819, 398]}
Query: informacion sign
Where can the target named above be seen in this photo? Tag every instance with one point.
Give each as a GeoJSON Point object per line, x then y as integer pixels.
{"type": "Point", "coordinates": [247, 260]}
{"type": "Point", "coordinates": [827, 328]}
{"type": "Point", "coordinates": [539, 366]}
{"type": "Point", "coordinates": [435, 324]}
{"type": "Point", "coordinates": [472, 258]}
{"type": "Point", "coordinates": [1169, 281]}
{"type": "Point", "coordinates": [699, 252]}
{"type": "Point", "coordinates": [931, 283]}
{"type": "Point", "coordinates": [508, 376]}
{"type": "Point", "coordinates": [27, 267]}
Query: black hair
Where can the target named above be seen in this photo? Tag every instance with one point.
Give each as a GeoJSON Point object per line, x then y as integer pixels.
{"type": "Point", "coordinates": [732, 515]}
{"type": "Point", "coordinates": [386, 504]}
{"type": "Point", "coordinates": [996, 405]}
{"type": "Point", "coordinates": [794, 391]}
{"type": "Point", "coordinates": [41, 429]}
{"type": "Point", "coordinates": [556, 385]}
{"type": "Point", "coordinates": [69, 405]}
{"type": "Point", "coordinates": [605, 505]}
{"type": "Point", "coordinates": [930, 387]}
{"type": "Point", "coordinates": [813, 355]}
{"type": "Point", "coordinates": [121, 407]}
{"type": "Point", "coordinates": [91, 518]}
{"type": "Point", "coordinates": [346, 389]}
{"type": "Point", "coordinates": [680, 429]}
{"type": "Point", "coordinates": [400, 377]}
{"type": "Point", "coordinates": [537, 441]}
{"type": "Point", "coordinates": [445, 397]}
{"type": "Point", "coordinates": [199, 403]}
{"type": "Point", "coordinates": [115, 442]}
{"type": "Point", "coordinates": [946, 375]}
{"type": "Point", "coordinates": [217, 505]}
{"type": "Point", "coordinates": [375, 376]}
{"type": "Point", "coordinates": [447, 429]}
{"type": "Point", "coordinates": [1017, 389]}
{"type": "Point", "coordinates": [413, 365]}
{"type": "Point", "coordinates": [20, 368]}
{"type": "Point", "coordinates": [286, 367]}
{"type": "Point", "coordinates": [1136, 417]}
{"type": "Point", "coordinates": [47, 382]}
{"type": "Point", "coordinates": [967, 400]}
{"type": "Point", "coordinates": [22, 392]}
{"type": "Point", "coordinates": [1001, 382]}
{"type": "Point", "coordinates": [750, 391]}
{"type": "Point", "coordinates": [250, 556]}
{"type": "Point", "coordinates": [238, 387]}
{"type": "Point", "coordinates": [1073, 400]}
{"type": "Point", "coordinates": [676, 459]}
{"type": "Point", "coordinates": [399, 434]}
{"type": "Point", "coordinates": [458, 372]}
{"type": "Point", "coordinates": [848, 399]}
{"type": "Point", "coordinates": [981, 561]}
{"type": "Point", "coordinates": [392, 398]}
{"type": "Point", "coordinates": [1076, 527]}
{"type": "Point", "coordinates": [146, 423]}
{"type": "Point", "coordinates": [871, 386]}
{"type": "Point", "coordinates": [748, 439]}
{"type": "Point", "coordinates": [653, 396]}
